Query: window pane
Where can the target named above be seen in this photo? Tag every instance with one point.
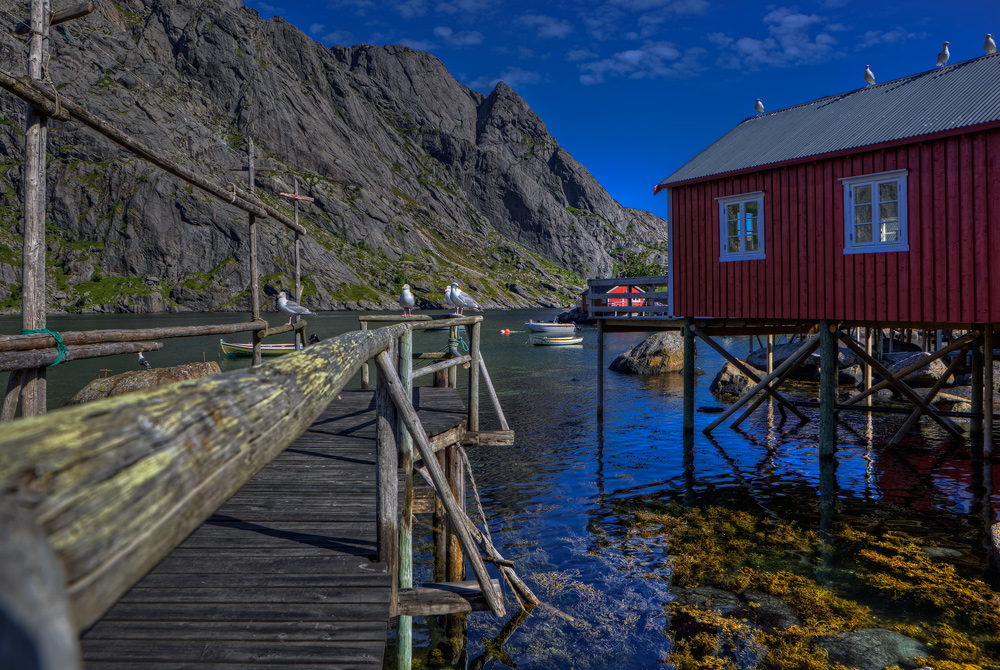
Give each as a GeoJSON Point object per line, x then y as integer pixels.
{"type": "Point", "coordinates": [733, 212]}
{"type": "Point", "coordinates": [734, 244]}
{"type": "Point", "coordinates": [751, 221]}
{"type": "Point", "coordinates": [863, 234]}
{"type": "Point", "coordinates": [751, 208]}
{"type": "Point", "coordinates": [863, 194]}
{"type": "Point", "coordinates": [752, 243]}
{"type": "Point", "coordinates": [888, 191]}
{"type": "Point", "coordinates": [732, 228]}
{"type": "Point", "coordinates": [862, 214]}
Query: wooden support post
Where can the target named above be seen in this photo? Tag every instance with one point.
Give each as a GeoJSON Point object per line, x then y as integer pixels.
{"type": "Point", "coordinates": [474, 377]}
{"type": "Point", "coordinates": [387, 483]}
{"type": "Point", "coordinates": [36, 626]}
{"type": "Point", "coordinates": [976, 425]}
{"type": "Point", "coordinates": [867, 367]}
{"type": "Point", "coordinates": [689, 356]}
{"type": "Point", "coordinates": [455, 470]}
{"type": "Point", "coordinates": [365, 383]}
{"type": "Point", "coordinates": [404, 628]}
{"type": "Point", "coordinates": [453, 372]}
{"type": "Point", "coordinates": [254, 270]}
{"type": "Point", "coordinates": [777, 381]}
{"type": "Point", "coordinates": [918, 412]}
{"type": "Point", "coordinates": [828, 384]}
{"type": "Point", "coordinates": [989, 391]}
{"type": "Point", "coordinates": [300, 337]}
{"type": "Point", "coordinates": [439, 528]}
{"type": "Point", "coordinates": [33, 298]}
{"type": "Point", "coordinates": [11, 396]}
{"type": "Point", "coordinates": [409, 415]}
{"type": "Point", "coordinates": [600, 368]}
{"type": "Point", "coordinates": [770, 353]}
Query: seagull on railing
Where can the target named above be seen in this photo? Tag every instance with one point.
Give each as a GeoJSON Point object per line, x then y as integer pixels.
{"type": "Point", "coordinates": [944, 55]}
{"type": "Point", "coordinates": [291, 308]}
{"type": "Point", "coordinates": [143, 362]}
{"type": "Point", "coordinates": [406, 300]}
{"type": "Point", "coordinates": [463, 301]}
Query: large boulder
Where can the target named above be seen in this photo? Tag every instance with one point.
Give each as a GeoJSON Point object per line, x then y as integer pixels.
{"type": "Point", "coordinates": [732, 382]}
{"type": "Point", "coordinates": [926, 376]}
{"type": "Point", "coordinates": [873, 649]}
{"type": "Point", "coordinates": [658, 353]}
{"type": "Point", "coordinates": [137, 380]}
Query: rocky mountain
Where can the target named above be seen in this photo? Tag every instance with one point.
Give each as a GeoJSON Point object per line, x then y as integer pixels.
{"type": "Point", "coordinates": [416, 178]}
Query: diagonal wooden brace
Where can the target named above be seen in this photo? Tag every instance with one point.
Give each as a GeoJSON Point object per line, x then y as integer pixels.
{"type": "Point", "coordinates": [809, 346]}
{"type": "Point", "coordinates": [800, 359]}
{"type": "Point", "coordinates": [957, 344]}
{"type": "Point", "coordinates": [901, 386]}
{"type": "Point", "coordinates": [768, 390]}
{"type": "Point", "coordinates": [455, 514]}
{"type": "Point", "coordinates": [929, 398]}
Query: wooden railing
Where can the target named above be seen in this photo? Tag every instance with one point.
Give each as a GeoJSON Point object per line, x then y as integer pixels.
{"type": "Point", "coordinates": [642, 297]}
{"type": "Point", "coordinates": [93, 496]}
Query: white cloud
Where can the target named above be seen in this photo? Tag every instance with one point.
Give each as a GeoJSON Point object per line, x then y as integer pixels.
{"type": "Point", "coordinates": [894, 36]}
{"type": "Point", "coordinates": [410, 8]}
{"type": "Point", "coordinates": [514, 77]}
{"type": "Point", "coordinates": [464, 6]}
{"type": "Point", "coordinates": [577, 55]}
{"type": "Point", "coordinates": [675, 6]}
{"type": "Point", "coordinates": [316, 28]}
{"type": "Point", "coordinates": [464, 38]}
{"type": "Point", "coordinates": [790, 40]}
{"type": "Point", "coordinates": [545, 26]}
{"type": "Point", "coordinates": [652, 60]}
{"type": "Point", "coordinates": [267, 7]}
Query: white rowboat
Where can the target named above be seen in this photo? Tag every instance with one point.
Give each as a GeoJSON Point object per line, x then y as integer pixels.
{"type": "Point", "coordinates": [551, 327]}
{"type": "Point", "coordinates": [543, 340]}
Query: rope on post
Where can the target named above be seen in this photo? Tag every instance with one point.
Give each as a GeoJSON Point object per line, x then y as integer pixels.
{"type": "Point", "coordinates": [56, 336]}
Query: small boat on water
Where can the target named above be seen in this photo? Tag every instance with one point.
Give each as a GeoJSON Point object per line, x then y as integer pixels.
{"type": "Point", "coordinates": [551, 327]}
{"type": "Point", "coordinates": [546, 340]}
{"type": "Point", "coordinates": [239, 349]}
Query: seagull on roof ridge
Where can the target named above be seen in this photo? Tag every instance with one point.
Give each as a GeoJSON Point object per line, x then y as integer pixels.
{"type": "Point", "coordinates": [944, 55]}
{"type": "Point", "coordinates": [291, 308]}
{"type": "Point", "coordinates": [869, 76]}
{"type": "Point", "coordinates": [759, 106]}
{"type": "Point", "coordinates": [406, 300]}
{"type": "Point", "coordinates": [989, 44]}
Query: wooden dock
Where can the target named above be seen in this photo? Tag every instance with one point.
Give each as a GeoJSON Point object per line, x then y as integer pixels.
{"type": "Point", "coordinates": [284, 572]}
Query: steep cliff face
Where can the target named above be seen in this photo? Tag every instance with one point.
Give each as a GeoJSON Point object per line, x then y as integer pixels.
{"type": "Point", "coordinates": [415, 177]}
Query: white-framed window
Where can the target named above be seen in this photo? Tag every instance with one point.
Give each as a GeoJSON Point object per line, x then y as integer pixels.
{"type": "Point", "coordinates": [875, 213]}
{"type": "Point", "coordinates": [741, 227]}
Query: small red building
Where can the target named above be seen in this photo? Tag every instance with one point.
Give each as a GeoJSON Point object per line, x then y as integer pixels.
{"type": "Point", "coordinates": [878, 205]}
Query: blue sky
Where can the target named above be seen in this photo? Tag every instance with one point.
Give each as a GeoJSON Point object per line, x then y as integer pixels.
{"type": "Point", "coordinates": [635, 88]}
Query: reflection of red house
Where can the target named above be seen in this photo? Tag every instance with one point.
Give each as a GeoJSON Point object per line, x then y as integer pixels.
{"type": "Point", "coordinates": [618, 302]}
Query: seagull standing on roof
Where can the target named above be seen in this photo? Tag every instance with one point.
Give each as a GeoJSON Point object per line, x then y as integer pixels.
{"type": "Point", "coordinates": [944, 55]}
{"type": "Point", "coordinates": [989, 44]}
{"type": "Point", "coordinates": [759, 106]}
{"type": "Point", "coordinates": [291, 308]}
{"type": "Point", "coordinates": [143, 362]}
{"type": "Point", "coordinates": [462, 300]}
{"type": "Point", "coordinates": [869, 76]}
{"type": "Point", "coordinates": [406, 300]}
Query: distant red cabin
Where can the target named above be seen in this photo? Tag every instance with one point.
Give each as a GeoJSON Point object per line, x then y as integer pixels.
{"type": "Point", "coordinates": [618, 302]}
{"type": "Point", "coordinates": [877, 205]}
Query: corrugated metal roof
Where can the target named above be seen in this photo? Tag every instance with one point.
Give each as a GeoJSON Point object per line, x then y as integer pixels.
{"type": "Point", "coordinates": [956, 96]}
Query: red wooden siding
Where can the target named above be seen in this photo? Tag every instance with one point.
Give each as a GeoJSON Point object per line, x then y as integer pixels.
{"type": "Point", "coordinates": [953, 222]}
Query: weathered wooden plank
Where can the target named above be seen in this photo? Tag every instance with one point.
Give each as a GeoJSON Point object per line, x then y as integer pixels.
{"type": "Point", "coordinates": [259, 631]}
{"type": "Point", "coordinates": [26, 342]}
{"type": "Point", "coordinates": [434, 599]}
{"type": "Point", "coordinates": [261, 612]}
{"type": "Point", "coordinates": [118, 483]}
{"type": "Point", "coordinates": [247, 652]}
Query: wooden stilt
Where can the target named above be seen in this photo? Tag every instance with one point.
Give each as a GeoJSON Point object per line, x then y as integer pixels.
{"type": "Point", "coordinates": [600, 368]}
{"type": "Point", "coordinates": [689, 357]}
{"type": "Point", "coordinates": [989, 392]}
{"type": "Point", "coordinates": [902, 387]}
{"type": "Point", "coordinates": [453, 372]}
{"type": "Point", "coordinates": [300, 336]}
{"type": "Point", "coordinates": [11, 396]}
{"type": "Point", "coordinates": [867, 367]}
{"type": "Point", "coordinates": [439, 529]}
{"type": "Point", "coordinates": [404, 627]}
{"type": "Point", "coordinates": [455, 468]}
{"type": "Point", "coordinates": [828, 384]}
{"type": "Point", "coordinates": [742, 367]}
{"type": "Point", "coordinates": [806, 349]}
{"type": "Point", "coordinates": [254, 269]}
{"type": "Point", "coordinates": [770, 353]}
{"type": "Point", "coordinates": [976, 425]}
{"type": "Point", "coordinates": [365, 372]}
{"type": "Point", "coordinates": [387, 485]}
{"type": "Point", "coordinates": [474, 376]}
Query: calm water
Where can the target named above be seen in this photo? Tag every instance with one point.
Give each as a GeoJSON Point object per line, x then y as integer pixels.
{"type": "Point", "coordinates": [552, 499]}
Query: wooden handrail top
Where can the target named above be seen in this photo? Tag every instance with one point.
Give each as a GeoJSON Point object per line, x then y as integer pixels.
{"type": "Point", "coordinates": [421, 321]}
{"type": "Point", "coordinates": [116, 484]}
{"type": "Point", "coordinates": [283, 328]}
{"type": "Point", "coordinates": [442, 365]}
{"type": "Point", "coordinates": [27, 342]}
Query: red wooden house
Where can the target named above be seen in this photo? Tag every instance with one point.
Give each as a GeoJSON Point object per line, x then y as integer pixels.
{"type": "Point", "coordinates": [880, 205]}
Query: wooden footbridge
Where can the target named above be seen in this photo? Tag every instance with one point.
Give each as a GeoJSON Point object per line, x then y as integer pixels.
{"type": "Point", "coordinates": [249, 518]}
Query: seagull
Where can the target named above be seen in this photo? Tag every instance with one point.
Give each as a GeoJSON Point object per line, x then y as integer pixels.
{"type": "Point", "coordinates": [869, 76]}
{"type": "Point", "coordinates": [463, 301]}
{"type": "Point", "coordinates": [291, 308]}
{"type": "Point", "coordinates": [406, 300]}
{"type": "Point", "coordinates": [944, 55]}
{"type": "Point", "coordinates": [448, 300]}
{"type": "Point", "coordinates": [989, 44]}
{"type": "Point", "coordinates": [143, 362]}
{"type": "Point", "coordinates": [759, 106]}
